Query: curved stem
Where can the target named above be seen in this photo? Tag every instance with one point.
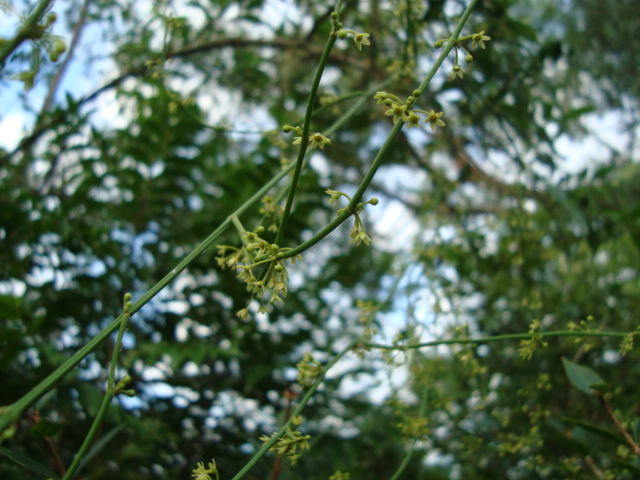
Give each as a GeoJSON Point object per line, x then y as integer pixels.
{"type": "Point", "coordinates": [386, 147]}
{"type": "Point", "coordinates": [23, 33]}
{"type": "Point", "coordinates": [305, 134]}
{"type": "Point", "coordinates": [11, 412]}
{"type": "Point", "coordinates": [106, 401]}
{"type": "Point", "coordinates": [498, 338]}
{"type": "Point", "coordinates": [298, 410]}
{"type": "Point", "coordinates": [422, 414]}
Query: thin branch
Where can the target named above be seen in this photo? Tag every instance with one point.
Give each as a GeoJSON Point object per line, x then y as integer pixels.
{"type": "Point", "coordinates": [24, 33]}
{"type": "Point", "coordinates": [297, 412]}
{"type": "Point", "coordinates": [141, 70]}
{"type": "Point", "coordinates": [57, 78]}
{"type": "Point", "coordinates": [497, 338]}
{"type": "Point", "coordinates": [307, 122]}
{"type": "Point", "coordinates": [384, 150]}
{"type": "Point", "coordinates": [55, 84]}
{"type": "Point", "coordinates": [635, 448]}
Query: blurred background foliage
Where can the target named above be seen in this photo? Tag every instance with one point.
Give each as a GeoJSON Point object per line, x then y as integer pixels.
{"type": "Point", "coordinates": [163, 118]}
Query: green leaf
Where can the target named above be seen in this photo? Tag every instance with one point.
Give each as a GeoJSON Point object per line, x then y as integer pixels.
{"type": "Point", "coordinates": [39, 405]}
{"type": "Point", "coordinates": [523, 29]}
{"type": "Point", "coordinates": [28, 462]}
{"type": "Point", "coordinates": [576, 113]}
{"type": "Point", "coordinates": [45, 428]}
{"type": "Point", "coordinates": [10, 306]}
{"type": "Point", "coordinates": [601, 432]}
{"type": "Point", "coordinates": [624, 464]}
{"type": "Point", "coordinates": [100, 444]}
{"type": "Point", "coordinates": [581, 377]}
{"type": "Point", "coordinates": [636, 429]}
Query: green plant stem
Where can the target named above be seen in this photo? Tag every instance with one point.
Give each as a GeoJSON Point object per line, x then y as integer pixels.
{"type": "Point", "coordinates": [106, 401]}
{"type": "Point", "coordinates": [111, 381]}
{"type": "Point", "coordinates": [298, 410]}
{"type": "Point", "coordinates": [24, 31]}
{"type": "Point", "coordinates": [450, 44]}
{"type": "Point", "coordinates": [305, 134]}
{"type": "Point", "coordinates": [11, 412]}
{"type": "Point", "coordinates": [635, 447]}
{"type": "Point", "coordinates": [422, 414]}
{"type": "Point", "coordinates": [239, 227]}
{"type": "Point", "coordinates": [384, 150]}
{"type": "Point", "coordinates": [497, 338]}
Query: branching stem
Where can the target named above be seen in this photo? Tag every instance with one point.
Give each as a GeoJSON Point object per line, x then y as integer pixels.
{"type": "Point", "coordinates": [305, 133]}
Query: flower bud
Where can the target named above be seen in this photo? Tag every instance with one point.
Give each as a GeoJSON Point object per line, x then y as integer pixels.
{"type": "Point", "coordinates": [58, 48]}
{"type": "Point", "coordinates": [50, 19]}
{"type": "Point", "coordinates": [342, 34]}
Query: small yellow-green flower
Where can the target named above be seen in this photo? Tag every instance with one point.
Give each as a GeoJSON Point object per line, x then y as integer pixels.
{"type": "Point", "coordinates": [381, 97]}
{"type": "Point", "coordinates": [358, 234]}
{"type": "Point", "coordinates": [335, 196]}
{"type": "Point", "coordinates": [456, 71]}
{"type": "Point", "coordinates": [318, 140]}
{"type": "Point", "coordinates": [398, 112]}
{"type": "Point", "coordinates": [202, 473]}
{"type": "Point", "coordinates": [243, 314]}
{"type": "Point", "coordinates": [361, 39]}
{"type": "Point", "coordinates": [434, 119]}
{"type": "Point", "coordinates": [413, 120]}
{"type": "Point", "coordinates": [478, 39]}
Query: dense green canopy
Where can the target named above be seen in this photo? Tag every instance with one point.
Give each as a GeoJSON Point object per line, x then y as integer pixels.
{"type": "Point", "coordinates": [500, 284]}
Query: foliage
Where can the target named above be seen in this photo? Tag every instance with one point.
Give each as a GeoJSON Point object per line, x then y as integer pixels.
{"type": "Point", "coordinates": [502, 331]}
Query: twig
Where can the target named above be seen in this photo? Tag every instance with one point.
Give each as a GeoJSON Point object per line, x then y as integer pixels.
{"type": "Point", "coordinates": [594, 468]}
{"type": "Point", "coordinates": [23, 33]}
{"type": "Point", "coordinates": [635, 448]}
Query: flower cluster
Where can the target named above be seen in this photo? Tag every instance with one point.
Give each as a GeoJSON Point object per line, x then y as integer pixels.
{"type": "Point", "coordinates": [40, 35]}
{"type": "Point", "coordinates": [120, 387]}
{"type": "Point", "coordinates": [272, 212]}
{"type": "Point", "coordinates": [202, 473]}
{"type": "Point", "coordinates": [358, 233]}
{"type": "Point", "coordinates": [256, 252]}
{"type": "Point", "coordinates": [588, 326]}
{"type": "Point", "coordinates": [527, 347]}
{"type": "Point", "coordinates": [308, 370]}
{"type": "Point", "coordinates": [316, 139]}
{"type": "Point", "coordinates": [627, 342]}
{"type": "Point", "coordinates": [340, 476]}
{"type": "Point", "coordinates": [292, 443]}
{"type": "Point", "coordinates": [402, 111]}
{"type": "Point", "coordinates": [477, 40]}
{"type": "Point", "coordinates": [359, 39]}
{"type": "Point", "coordinates": [414, 427]}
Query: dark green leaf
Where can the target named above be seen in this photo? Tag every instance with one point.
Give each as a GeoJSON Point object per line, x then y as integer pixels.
{"type": "Point", "coordinates": [581, 377]}
{"type": "Point", "coordinates": [28, 462]}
